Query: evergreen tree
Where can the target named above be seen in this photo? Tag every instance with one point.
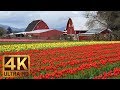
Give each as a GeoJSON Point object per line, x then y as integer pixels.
{"type": "Point", "coordinates": [9, 30]}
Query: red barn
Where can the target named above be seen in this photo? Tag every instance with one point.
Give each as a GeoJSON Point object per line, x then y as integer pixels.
{"type": "Point", "coordinates": [38, 29]}
{"type": "Point", "coordinates": [45, 34]}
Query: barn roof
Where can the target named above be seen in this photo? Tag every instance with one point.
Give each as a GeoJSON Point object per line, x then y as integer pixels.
{"type": "Point", "coordinates": [96, 31]}
{"type": "Point", "coordinates": [39, 31]}
{"type": "Point", "coordinates": [32, 25]}
{"type": "Point", "coordinates": [35, 31]}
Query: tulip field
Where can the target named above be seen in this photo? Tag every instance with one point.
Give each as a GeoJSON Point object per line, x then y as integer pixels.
{"type": "Point", "coordinates": [68, 60]}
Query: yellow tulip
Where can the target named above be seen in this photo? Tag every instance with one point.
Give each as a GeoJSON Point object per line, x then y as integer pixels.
{"type": "Point", "coordinates": [19, 47]}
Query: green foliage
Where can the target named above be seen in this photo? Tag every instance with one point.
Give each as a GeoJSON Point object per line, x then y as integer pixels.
{"type": "Point", "coordinates": [67, 37]}
{"type": "Point", "coordinates": [112, 18]}
{"type": "Point", "coordinates": [92, 72]}
{"type": "Point", "coordinates": [42, 72]}
{"type": "Point", "coordinates": [2, 31]}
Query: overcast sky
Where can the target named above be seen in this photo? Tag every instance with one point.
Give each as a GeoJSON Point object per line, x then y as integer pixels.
{"type": "Point", "coordinates": [21, 19]}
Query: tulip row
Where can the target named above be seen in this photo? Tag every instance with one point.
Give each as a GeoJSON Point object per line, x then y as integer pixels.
{"type": "Point", "coordinates": [55, 72]}
{"type": "Point", "coordinates": [72, 62]}
{"type": "Point", "coordinates": [113, 73]}
{"type": "Point", "coordinates": [74, 70]}
{"type": "Point", "coordinates": [29, 46]}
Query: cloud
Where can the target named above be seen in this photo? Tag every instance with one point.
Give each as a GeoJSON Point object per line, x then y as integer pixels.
{"type": "Point", "coordinates": [21, 19]}
{"type": "Point", "coordinates": [75, 12]}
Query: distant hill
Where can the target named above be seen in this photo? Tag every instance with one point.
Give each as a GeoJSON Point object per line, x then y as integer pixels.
{"type": "Point", "coordinates": [13, 28]}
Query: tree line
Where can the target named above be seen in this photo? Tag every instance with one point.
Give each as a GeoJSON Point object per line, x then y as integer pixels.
{"type": "Point", "coordinates": [4, 31]}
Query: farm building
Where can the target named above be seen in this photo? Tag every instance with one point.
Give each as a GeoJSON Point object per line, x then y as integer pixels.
{"type": "Point", "coordinates": [102, 34]}
{"type": "Point", "coordinates": [79, 31]}
{"type": "Point", "coordinates": [38, 29]}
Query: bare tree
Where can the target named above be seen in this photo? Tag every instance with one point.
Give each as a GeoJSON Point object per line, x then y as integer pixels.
{"type": "Point", "coordinates": [108, 19]}
{"type": "Point", "coordinates": [94, 20]}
